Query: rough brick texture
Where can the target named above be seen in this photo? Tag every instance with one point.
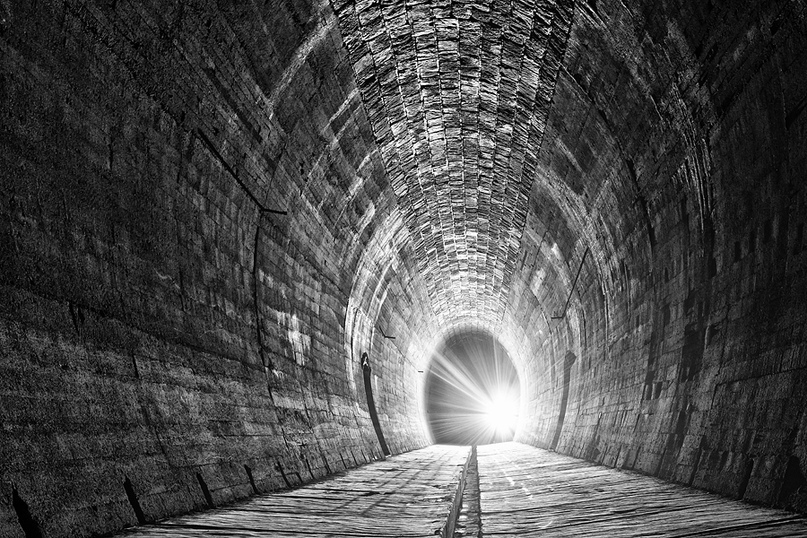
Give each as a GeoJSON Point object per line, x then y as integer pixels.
{"type": "Point", "coordinates": [458, 94]}
{"type": "Point", "coordinates": [673, 161]}
{"type": "Point", "coordinates": [159, 318]}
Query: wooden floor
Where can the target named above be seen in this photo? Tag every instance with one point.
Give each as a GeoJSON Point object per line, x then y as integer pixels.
{"type": "Point", "coordinates": [408, 495]}
{"type": "Point", "coordinates": [527, 492]}
{"type": "Point", "coordinates": [511, 490]}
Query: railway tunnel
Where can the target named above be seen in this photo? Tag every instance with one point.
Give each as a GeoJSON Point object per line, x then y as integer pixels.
{"type": "Point", "coordinates": [247, 246]}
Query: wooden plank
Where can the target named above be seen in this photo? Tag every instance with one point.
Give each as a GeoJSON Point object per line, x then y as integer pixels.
{"type": "Point", "coordinates": [525, 491]}
{"type": "Point", "coordinates": [522, 491]}
{"type": "Point", "coordinates": [409, 495]}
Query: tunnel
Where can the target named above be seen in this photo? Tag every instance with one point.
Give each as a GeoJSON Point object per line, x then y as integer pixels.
{"type": "Point", "coordinates": [243, 245]}
{"type": "Point", "coordinates": [472, 391]}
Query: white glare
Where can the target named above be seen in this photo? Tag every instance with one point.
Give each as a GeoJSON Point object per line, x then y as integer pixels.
{"type": "Point", "coordinates": [501, 413]}
{"type": "Point", "coordinates": [472, 392]}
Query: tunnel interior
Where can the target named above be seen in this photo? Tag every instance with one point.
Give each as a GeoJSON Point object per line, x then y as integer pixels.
{"type": "Point", "coordinates": [472, 391]}
{"type": "Point", "coordinates": [210, 212]}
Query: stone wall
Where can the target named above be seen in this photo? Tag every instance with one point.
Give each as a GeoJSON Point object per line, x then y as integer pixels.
{"type": "Point", "coordinates": [675, 141]}
{"type": "Point", "coordinates": [185, 194]}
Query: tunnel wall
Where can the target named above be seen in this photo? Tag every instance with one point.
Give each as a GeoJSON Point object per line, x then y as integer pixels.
{"type": "Point", "coordinates": [688, 159]}
{"type": "Point", "coordinates": [186, 193]}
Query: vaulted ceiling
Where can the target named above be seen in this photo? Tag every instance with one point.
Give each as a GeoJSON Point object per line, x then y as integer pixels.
{"type": "Point", "coordinates": [458, 94]}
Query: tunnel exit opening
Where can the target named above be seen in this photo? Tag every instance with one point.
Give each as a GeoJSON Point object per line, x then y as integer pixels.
{"type": "Point", "coordinates": [472, 391]}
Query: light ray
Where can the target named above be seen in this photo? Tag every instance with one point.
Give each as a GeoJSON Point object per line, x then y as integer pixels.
{"type": "Point", "coordinates": [473, 391]}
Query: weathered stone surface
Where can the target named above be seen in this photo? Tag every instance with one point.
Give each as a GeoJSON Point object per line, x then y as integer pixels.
{"type": "Point", "coordinates": [669, 159]}
{"type": "Point", "coordinates": [160, 321]}
{"type": "Point", "coordinates": [458, 104]}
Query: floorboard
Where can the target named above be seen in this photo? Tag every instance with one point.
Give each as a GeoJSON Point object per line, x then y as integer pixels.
{"type": "Point", "coordinates": [408, 495]}
{"type": "Point", "coordinates": [529, 492]}
{"type": "Point", "coordinates": [512, 490]}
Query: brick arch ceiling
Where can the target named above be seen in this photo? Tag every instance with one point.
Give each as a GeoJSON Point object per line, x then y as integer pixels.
{"type": "Point", "coordinates": [458, 95]}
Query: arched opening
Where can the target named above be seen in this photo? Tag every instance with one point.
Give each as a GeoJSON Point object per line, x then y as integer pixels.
{"type": "Point", "coordinates": [472, 391]}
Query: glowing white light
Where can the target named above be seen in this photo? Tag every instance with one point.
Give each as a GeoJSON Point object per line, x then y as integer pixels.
{"type": "Point", "coordinates": [473, 394]}
{"type": "Point", "coordinates": [501, 413]}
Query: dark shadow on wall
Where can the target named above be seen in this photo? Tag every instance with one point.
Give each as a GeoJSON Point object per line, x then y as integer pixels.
{"type": "Point", "coordinates": [564, 399]}
{"type": "Point", "coordinates": [368, 389]}
{"type": "Point", "coordinates": [28, 524]}
{"type": "Point", "coordinates": [793, 492]}
{"type": "Point", "coordinates": [132, 496]}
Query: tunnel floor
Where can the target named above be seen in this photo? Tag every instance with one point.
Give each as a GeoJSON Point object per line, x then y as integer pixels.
{"type": "Point", "coordinates": [510, 490]}
{"type": "Point", "coordinates": [527, 491]}
{"type": "Point", "coordinates": [408, 495]}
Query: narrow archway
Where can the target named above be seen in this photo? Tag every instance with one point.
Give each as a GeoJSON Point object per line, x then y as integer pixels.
{"type": "Point", "coordinates": [472, 391]}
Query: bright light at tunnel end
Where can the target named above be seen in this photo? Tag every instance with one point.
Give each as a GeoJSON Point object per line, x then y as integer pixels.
{"type": "Point", "coordinates": [501, 413]}
{"type": "Point", "coordinates": [472, 392]}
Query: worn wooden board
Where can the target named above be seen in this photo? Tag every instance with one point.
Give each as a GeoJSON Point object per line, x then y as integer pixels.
{"type": "Point", "coordinates": [406, 496]}
{"type": "Point", "coordinates": [525, 491]}
{"type": "Point", "coordinates": [522, 491]}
